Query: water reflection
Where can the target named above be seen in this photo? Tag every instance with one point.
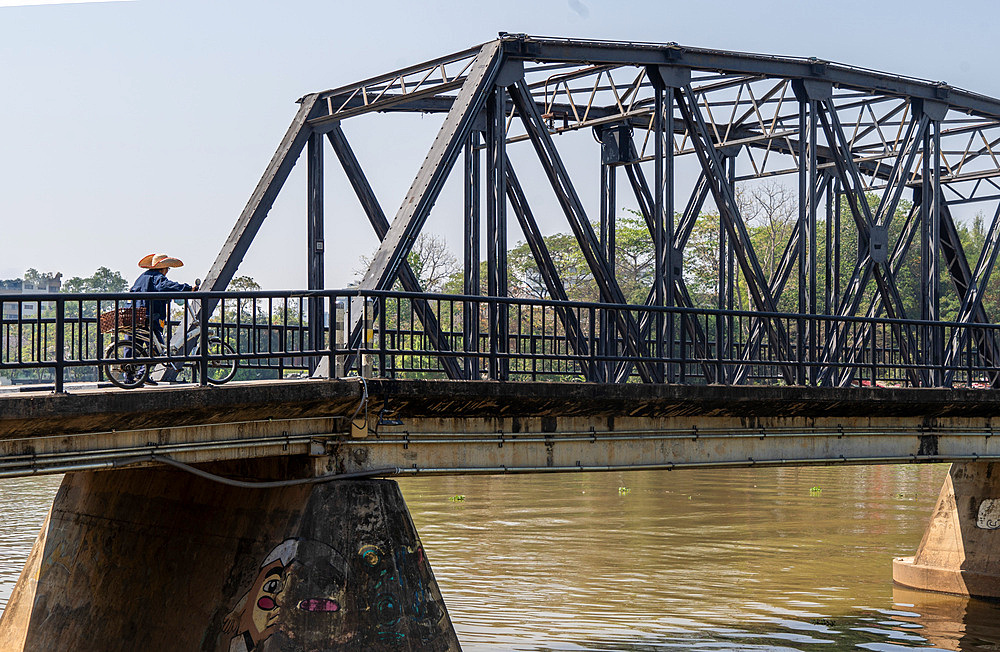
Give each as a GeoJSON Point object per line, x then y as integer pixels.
{"type": "Point", "coordinates": [776, 559]}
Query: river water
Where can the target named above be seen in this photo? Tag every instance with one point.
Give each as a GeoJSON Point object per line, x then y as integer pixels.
{"type": "Point", "coordinates": [766, 559]}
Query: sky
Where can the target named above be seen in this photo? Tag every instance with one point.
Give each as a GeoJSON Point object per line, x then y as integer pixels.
{"type": "Point", "coordinates": [134, 126]}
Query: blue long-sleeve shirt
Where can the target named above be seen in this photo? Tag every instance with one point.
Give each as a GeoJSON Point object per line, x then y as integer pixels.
{"type": "Point", "coordinates": [155, 281]}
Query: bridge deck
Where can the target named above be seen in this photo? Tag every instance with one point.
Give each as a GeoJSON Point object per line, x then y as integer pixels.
{"type": "Point", "coordinates": [440, 426]}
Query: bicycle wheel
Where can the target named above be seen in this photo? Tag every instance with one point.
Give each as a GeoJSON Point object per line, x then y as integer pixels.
{"type": "Point", "coordinates": [220, 371]}
{"type": "Point", "coordinates": [119, 368]}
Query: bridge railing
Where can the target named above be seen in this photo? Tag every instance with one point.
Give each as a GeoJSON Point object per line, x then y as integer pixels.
{"type": "Point", "coordinates": [54, 338]}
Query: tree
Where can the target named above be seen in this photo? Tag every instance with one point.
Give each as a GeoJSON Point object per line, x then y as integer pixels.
{"type": "Point", "coordinates": [103, 280]}
{"type": "Point", "coordinates": [432, 262]}
{"type": "Point", "coordinates": [634, 256]}
{"type": "Point", "coordinates": [771, 210]}
{"type": "Point", "coordinates": [525, 279]}
{"type": "Point", "coordinates": [243, 284]}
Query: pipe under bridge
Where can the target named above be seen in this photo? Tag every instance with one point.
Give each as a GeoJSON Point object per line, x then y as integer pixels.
{"type": "Point", "coordinates": [390, 427]}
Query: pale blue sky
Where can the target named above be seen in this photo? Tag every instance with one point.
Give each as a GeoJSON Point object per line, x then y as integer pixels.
{"type": "Point", "coordinates": [129, 127]}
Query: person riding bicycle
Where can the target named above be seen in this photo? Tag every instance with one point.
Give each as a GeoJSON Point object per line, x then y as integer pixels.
{"type": "Point", "coordinates": [154, 279]}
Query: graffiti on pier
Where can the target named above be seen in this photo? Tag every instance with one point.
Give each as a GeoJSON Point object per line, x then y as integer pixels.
{"type": "Point", "coordinates": [402, 602]}
{"type": "Point", "coordinates": [989, 514]}
{"type": "Point", "coordinates": [317, 587]}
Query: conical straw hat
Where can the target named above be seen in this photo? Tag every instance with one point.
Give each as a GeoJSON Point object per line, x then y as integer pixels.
{"type": "Point", "coordinates": [156, 261]}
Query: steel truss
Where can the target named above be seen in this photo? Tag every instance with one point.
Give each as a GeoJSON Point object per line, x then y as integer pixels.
{"type": "Point", "coordinates": [847, 134]}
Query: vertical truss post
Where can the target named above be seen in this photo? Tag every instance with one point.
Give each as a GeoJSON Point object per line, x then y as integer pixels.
{"type": "Point", "coordinates": [828, 253]}
{"type": "Point", "coordinates": [666, 81]}
{"type": "Point", "coordinates": [806, 109]}
{"type": "Point", "coordinates": [615, 148]}
{"type": "Point", "coordinates": [811, 251]}
{"type": "Point", "coordinates": [315, 243]}
{"type": "Point", "coordinates": [926, 207]}
{"type": "Point", "coordinates": [496, 232]}
{"type": "Point", "coordinates": [808, 92]}
{"type": "Point", "coordinates": [831, 258]}
{"type": "Point", "coordinates": [835, 300]}
{"type": "Point", "coordinates": [726, 276]}
{"type": "Point", "coordinates": [661, 258]}
{"type": "Point", "coordinates": [730, 275]}
{"type": "Point", "coordinates": [470, 315]}
{"type": "Point", "coordinates": [935, 356]}
{"type": "Point", "coordinates": [723, 325]}
{"type": "Point", "coordinates": [930, 242]}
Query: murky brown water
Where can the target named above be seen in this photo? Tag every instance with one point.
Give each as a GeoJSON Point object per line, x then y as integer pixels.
{"type": "Point", "coordinates": [683, 560]}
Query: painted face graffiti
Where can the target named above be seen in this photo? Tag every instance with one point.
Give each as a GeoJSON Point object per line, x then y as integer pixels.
{"type": "Point", "coordinates": [256, 615]}
{"type": "Point", "coordinates": [268, 597]}
{"type": "Point", "coordinates": [313, 567]}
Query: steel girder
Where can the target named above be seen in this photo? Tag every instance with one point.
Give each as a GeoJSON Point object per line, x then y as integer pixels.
{"type": "Point", "coordinates": [742, 117]}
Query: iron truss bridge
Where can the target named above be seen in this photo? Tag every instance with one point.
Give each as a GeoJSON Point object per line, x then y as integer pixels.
{"type": "Point", "coordinates": [880, 163]}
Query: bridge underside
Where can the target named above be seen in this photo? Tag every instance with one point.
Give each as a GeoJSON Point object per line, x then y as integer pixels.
{"type": "Point", "coordinates": [397, 427]}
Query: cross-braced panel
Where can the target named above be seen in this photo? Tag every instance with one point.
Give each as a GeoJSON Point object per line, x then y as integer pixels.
{"type": "Point", "coordinates": [879, 170]}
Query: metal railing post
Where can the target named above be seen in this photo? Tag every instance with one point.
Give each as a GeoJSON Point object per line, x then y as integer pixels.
{"type": "Point", "coordinates": [60, 344]}
{"type": "Point", "coordinates": [203, 343]}
{"type": "Point", "coordinates": [381, 337]}
{"type": "Point", "coordinates": [333, 329]}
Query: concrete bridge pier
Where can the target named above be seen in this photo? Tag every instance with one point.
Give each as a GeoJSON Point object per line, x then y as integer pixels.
{"type": "Point", "coordinates": [960, 551]}
{"type": "Point", "coordinates": [159, 559]}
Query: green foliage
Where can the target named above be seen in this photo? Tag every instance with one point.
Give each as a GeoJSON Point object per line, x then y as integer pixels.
{"type": "Point", "coordinates": [33, 276]}
{"type": "Point", "coordinates": [243, 284]}
{"type": "Point", "coordinates": [567, 258]}
{"type": "Point", "coordinates": [634, 256]}
{"type": "Point", "coordinates": [103, 280]}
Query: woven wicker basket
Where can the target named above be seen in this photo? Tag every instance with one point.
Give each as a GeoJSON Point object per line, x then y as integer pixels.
{"type": "Point", "coordinates": [123, 319]}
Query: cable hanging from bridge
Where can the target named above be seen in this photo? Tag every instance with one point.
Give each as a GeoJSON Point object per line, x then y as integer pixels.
{"type": "Point", "coordinates": [272, 484]}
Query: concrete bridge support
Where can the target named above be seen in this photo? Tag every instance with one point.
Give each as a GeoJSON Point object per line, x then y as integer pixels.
{"type": "Point", "coordinates": [960, 551]}
{"type": "Point", "coordinates": [158, 559]}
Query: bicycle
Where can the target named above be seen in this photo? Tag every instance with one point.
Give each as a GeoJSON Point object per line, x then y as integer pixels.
{"type": "Point", "coordinates": [126, 359]}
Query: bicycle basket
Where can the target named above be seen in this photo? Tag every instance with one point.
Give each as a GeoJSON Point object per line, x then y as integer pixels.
{"type": "Point", "coordinates": [123, 319]}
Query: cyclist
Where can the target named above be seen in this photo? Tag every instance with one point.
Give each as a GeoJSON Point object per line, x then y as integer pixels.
{"type": "Point", "coordinates": [154, 279]}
